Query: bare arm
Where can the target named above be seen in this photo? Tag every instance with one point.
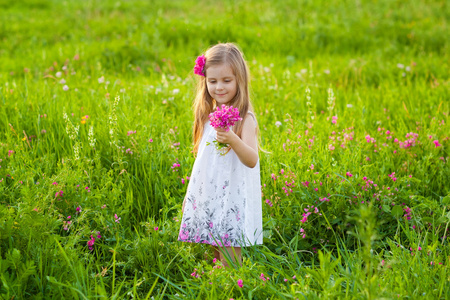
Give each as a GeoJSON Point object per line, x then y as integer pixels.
{"type": "Point", "coordinates": [246, 148]}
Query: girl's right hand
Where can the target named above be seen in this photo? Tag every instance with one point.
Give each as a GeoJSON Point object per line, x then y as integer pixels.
{"type": "Point", "coordinates": [184, 202]}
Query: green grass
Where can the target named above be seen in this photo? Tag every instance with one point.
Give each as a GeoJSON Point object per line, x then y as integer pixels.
{"type": "Point", "coordinates": [387, 64]}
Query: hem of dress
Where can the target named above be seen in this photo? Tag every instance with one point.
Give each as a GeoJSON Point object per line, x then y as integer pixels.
{"type": "Point", "coordinates": [215, 244]}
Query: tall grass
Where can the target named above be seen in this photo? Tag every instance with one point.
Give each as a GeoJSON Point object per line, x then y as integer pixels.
{"type": "Point", "coordinates": [358, 208]}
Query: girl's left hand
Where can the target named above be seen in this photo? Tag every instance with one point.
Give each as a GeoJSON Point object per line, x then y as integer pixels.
{"type": "Point", "coordinates": [226, 137]}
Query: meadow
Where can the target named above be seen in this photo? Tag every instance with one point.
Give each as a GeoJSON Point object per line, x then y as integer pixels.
{"type": "Point", "coordinates": [352, 100]}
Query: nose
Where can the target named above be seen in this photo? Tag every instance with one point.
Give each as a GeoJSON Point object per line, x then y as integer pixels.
{"type": "Point", "coordinates": [219, 86]}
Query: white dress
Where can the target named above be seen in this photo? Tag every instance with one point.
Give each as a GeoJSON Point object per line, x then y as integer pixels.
{"type": "Point", "coordinates": [223, 199]}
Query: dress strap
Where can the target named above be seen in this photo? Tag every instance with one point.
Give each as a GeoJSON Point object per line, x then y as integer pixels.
{"type": "Point", "coordinates": [254, 118]}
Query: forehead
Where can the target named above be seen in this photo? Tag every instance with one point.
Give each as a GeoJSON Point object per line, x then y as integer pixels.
{"type": "Point", "coordinates": [219, 71]}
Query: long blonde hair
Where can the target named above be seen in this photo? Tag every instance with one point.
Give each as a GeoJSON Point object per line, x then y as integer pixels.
{"type": "Point", "coordinates": [204, 104]}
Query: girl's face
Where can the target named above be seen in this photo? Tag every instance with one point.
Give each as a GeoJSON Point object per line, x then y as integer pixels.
{"type": "Point", "coordinates": [221, 83]}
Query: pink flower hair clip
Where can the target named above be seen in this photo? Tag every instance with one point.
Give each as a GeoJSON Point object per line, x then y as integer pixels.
{"type": "Point", "coordinates": [200, 65]}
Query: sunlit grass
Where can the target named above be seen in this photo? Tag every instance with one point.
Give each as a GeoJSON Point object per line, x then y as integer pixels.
{"type": "Point", "coordinates": [356, 198]}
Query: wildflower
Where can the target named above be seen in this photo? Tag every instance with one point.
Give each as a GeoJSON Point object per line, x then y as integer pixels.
{"type": "Point", "coordinates": [68, 217]}
{"type": "Point", "coordinates": [240, 283]}
{"type": "Point", "coordinates": [199, 67]}
{"type": "Point", "coordinates": [65, 87]}
{"type": "Point", "coordinates": [224, 117]}
{"type": "Point", "coordinates": [104, 206]}
{"type": "Point", "coordinates": [101, 79]}
{"type": "Point", "coordinates": [58, 74]}
{"type": "Point", "coordinates": [436, 143]}
{"type": "Point", "coordinates": [278, 123]}
{"type": "Point", "coordinates": [334, 119]}
{"type": "Point", "coordinates": [59, 194]}
{"type": "Point", "coordinates": [349, 174]}
{"type": "Point", "coordinates": [10, 152]}
{"type": "Point", "coordinates": [78, 209]}
{"type": "Point", "coordinates": [150, 140]}
{"type": "Point", "coordinates": [91, 242]}
{"type": "Point", "coordinates": [156, 228]}
{"type": "Point", "coordinates": [117, 219]}
{"type": "Point", "coordinates": [62, 81]}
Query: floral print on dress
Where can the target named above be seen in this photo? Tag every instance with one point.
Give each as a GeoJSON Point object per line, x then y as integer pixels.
{"type": "Point", "coordinates": [223, 199]}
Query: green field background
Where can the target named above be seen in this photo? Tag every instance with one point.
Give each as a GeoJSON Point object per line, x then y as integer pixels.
{"type": "Point", "coordinates": [122, 73]}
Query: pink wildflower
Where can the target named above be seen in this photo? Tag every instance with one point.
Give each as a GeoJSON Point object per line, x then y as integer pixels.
{"type": "Point", "coordinates": [117, 219]}
{"type": "Point", "coordinates": [224, 117]}
{"type": "Point", "coordinates": [199, 67]}
{"type": "Point", "coordinates": [240, 283]}
{"type": "Point", "coordinates": [91, 242]}
{"type": "Point", "coordinates": [436, 143]}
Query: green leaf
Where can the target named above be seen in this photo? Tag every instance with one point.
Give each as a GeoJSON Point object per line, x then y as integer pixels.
{"type": "Point", "coordinates": [446, 200]}
{"type": "Point", "coordinates": [386, 208]}
{"type": "Point", "coordinates": [397, 211]}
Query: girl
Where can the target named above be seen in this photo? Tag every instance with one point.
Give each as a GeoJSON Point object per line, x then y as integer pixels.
{"type": "Point", "coordinates": [222, 206]}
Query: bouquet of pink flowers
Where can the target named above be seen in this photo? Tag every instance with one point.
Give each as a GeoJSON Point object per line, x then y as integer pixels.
{"type": "Point", "coordinates": [224, 117]}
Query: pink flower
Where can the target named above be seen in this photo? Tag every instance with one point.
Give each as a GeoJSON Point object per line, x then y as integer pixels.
{"type": "Point", "coordinates": [156, 228]}
{"type": "Point", "coordinates": [199, 67]}
{"type": "Point", "coordinates": [436, 143]}
{"type": "Point", "coordinates": [117, 219]}
{"type": "Point", "coordinates": [349, 174]}
{"type": "Point", "coordinates": [224, 117]}
{"type": "Point", "coordinates": [91, 242]}
{"type": "Point", "coordinates": [240, 283]}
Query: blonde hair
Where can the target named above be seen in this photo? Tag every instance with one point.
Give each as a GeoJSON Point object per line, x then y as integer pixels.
{"type": "Point", "coordinates": [204, 104]}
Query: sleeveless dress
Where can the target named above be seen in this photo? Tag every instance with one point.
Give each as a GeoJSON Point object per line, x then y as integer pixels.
{"type": "Point", "coordinates": [223, 199]}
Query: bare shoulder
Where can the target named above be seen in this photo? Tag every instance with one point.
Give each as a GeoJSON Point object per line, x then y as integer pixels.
{"type": "Point", "coordinates": [249, 132]}
{"type": "Point", "coordinates": [250, 121]}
